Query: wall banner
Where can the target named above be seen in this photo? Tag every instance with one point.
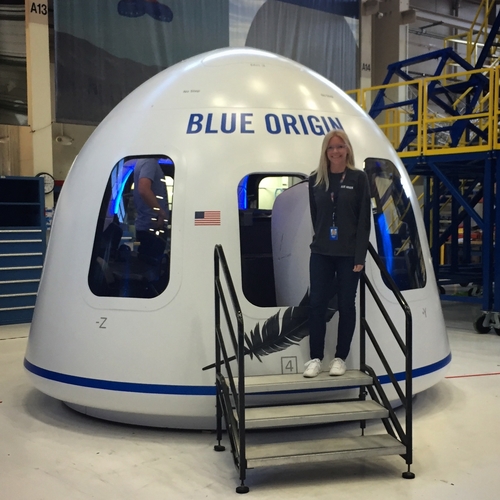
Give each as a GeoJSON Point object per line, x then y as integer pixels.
{"type": "Point", "coordinates": [107, 48]}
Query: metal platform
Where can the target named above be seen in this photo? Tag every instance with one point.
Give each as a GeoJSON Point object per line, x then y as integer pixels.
{"type": "Point", "coordinates": [297, 382]}
{"type": "Point", "coordinates": [322, 450]}
{"type": "Point", "coordinates": [312, 414]}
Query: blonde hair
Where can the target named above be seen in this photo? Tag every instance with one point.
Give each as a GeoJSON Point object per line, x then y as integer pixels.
{"type": "Point", "coordinates": [322, 170]}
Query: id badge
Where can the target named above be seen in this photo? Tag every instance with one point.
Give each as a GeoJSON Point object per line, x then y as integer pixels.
{"type": "Point", "coordinates": [334, 233]}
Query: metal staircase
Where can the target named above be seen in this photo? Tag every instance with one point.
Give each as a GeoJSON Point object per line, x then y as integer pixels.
{"type": "Point", "coordinates": [371, 402]}
{"type": "Point", "coordinates": [270, 417]}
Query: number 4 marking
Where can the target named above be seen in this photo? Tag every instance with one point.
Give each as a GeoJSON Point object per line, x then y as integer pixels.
{"type": "Point", "coordinates": [289, 364]}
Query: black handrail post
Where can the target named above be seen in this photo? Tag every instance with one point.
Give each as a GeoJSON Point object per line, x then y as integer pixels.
{"type": "Point", "coordinates": [218, 447]}
{"type": "Point", "coordinates": [241, 392]}
{"type": "Point", "coordinates": [362, 340]}
{"type": "Point", "coordinates": [409, 396]}
{"type": "Point", "coordinates": [362, 316]}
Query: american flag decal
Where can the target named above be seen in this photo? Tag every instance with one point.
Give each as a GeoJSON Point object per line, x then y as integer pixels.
{"type": "Point", "coordinates": [207, 218]}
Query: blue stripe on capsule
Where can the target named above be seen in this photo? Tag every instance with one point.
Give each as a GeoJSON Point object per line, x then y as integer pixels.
{"type": "Point", "coordinates": [196, 390]}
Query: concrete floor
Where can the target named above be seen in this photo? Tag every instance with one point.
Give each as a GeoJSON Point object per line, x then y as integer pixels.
{"type": "Point", "coordinates": [49, 451]}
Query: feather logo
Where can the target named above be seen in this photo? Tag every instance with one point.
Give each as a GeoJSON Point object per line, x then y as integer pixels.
{"type": "Point", "coordinates": [294, 327]}
{"type": "Point", "coordinates": [275, 337]}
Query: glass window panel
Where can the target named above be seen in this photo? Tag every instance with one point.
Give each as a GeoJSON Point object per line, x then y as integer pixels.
{"type": "Point", "coordinates": [131, 252]}
{"type": "Point", "coordinates": [398, 240]}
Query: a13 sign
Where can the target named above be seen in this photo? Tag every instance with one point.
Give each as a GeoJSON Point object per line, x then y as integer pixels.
{"type": "Point", "coordinates": [38, 12]}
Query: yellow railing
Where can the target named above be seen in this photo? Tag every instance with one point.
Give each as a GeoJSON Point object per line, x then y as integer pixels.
{"type": "Point", "coordinates": [474, 39]}
{"type": "Point", "coordinates": [430, 128]}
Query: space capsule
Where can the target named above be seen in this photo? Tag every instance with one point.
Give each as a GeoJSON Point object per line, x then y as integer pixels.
{"type": "Point", "coordinates": [124, 336]}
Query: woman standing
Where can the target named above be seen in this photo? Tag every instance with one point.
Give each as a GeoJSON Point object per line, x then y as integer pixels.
{"type": "Point", "coordinates": [340, 210]}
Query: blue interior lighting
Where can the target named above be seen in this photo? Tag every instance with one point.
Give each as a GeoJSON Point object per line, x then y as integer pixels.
{"type": "Point", "coordinates": [242, 194]}
{"type": "Point", "coordinates": [386, 242]}
{"type": "Point", "coordinates": [119, 194]}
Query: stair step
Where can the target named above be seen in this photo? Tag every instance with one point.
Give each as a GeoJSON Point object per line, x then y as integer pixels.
{"type": "Point", "coordinates": [322, 450]}
{"type": "Point", "coordinates": [297, 382]}
{"type": "Point", "coordinates": [312, 414]}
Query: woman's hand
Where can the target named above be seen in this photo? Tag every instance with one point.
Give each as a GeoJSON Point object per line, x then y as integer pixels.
{"type": "Point", "coordinates": [358, 268]}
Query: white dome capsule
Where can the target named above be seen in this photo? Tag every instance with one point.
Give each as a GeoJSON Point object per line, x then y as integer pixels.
{"type": "Point", "coordinates": [122, 336]}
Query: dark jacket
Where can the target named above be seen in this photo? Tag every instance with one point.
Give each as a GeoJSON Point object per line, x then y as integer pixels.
{"type": "Point", "coordinates": [353, 216]}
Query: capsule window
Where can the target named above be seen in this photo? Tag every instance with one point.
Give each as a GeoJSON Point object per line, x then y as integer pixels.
{"type": "Point", "coordinates": [256, 196]}
{"type": "Point", "coordinates": [396, 230]}
{"type": "Point", "coordinates": [131, 252]}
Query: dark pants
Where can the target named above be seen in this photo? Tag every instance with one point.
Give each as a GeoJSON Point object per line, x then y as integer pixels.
{"type": "Point", "coordinates": [323, 269]}
{"type": "Point", "coordinates": [151, 247]}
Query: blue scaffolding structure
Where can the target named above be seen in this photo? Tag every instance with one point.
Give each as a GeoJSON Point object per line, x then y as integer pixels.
{"type": "Point", "coordinates": [468, 178]}
{"type": "Point", "coordinates": [458, 156]}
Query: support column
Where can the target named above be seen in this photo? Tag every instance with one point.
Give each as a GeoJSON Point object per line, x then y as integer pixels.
{"type": "Point", "coordinates": [365, 56]}
{"type": "Point", "coordinates": [9, 150]}
{"type": "Point", "coordinates": [39, 88]}
{"type": "Point", "coordinates": [389, 36]}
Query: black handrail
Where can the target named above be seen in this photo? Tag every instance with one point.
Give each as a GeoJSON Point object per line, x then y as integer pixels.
{"type": "Point", "coordinates": [236, 431]}
{"type": "Point", "coordinates": [406, 347]}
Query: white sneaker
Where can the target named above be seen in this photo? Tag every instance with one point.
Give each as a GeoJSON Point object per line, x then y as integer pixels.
{"type": "Point", "coordinates": [337, 367]}
{"type": "Point", "coordinates": [312, 368]}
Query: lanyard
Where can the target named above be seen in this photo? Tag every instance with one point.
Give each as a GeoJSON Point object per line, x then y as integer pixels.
{"type": "Point", "coordinates": [335, 196]}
